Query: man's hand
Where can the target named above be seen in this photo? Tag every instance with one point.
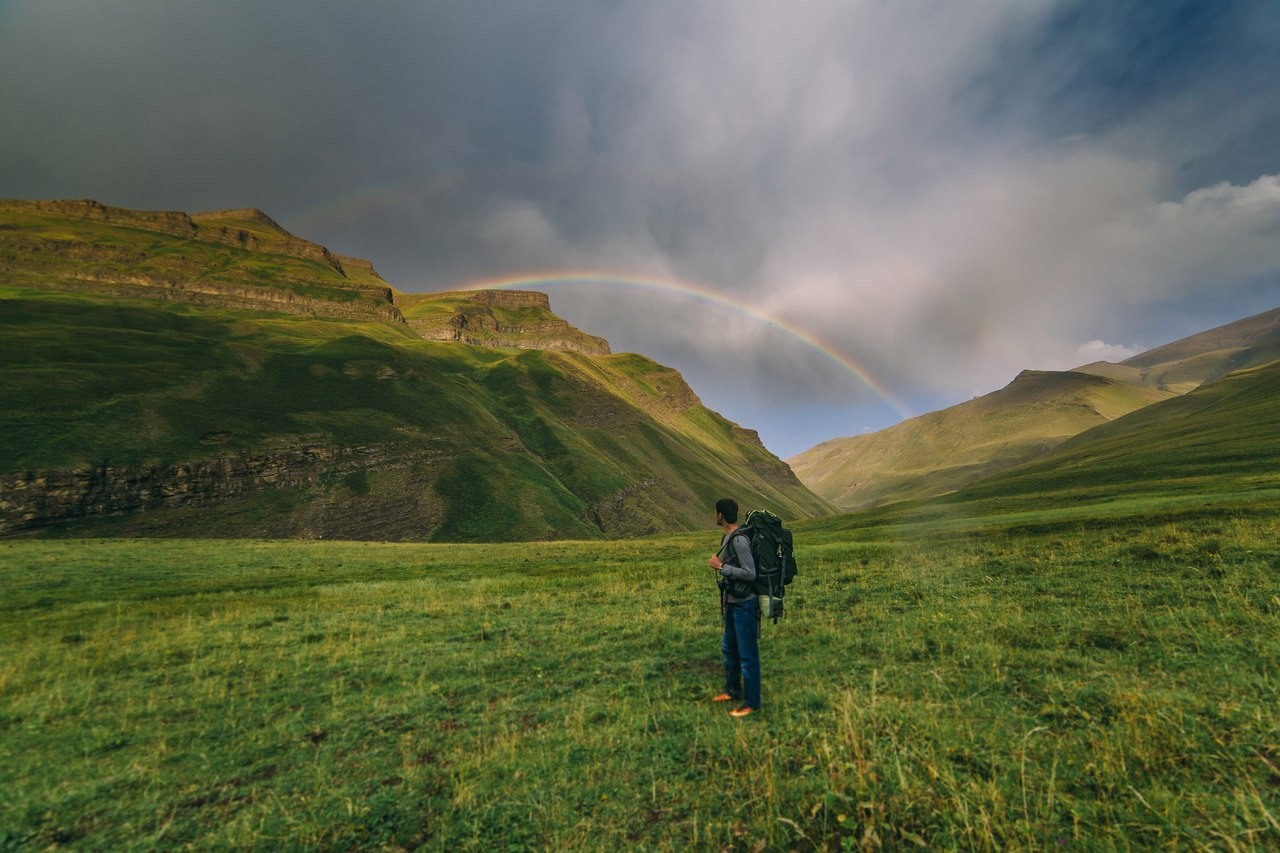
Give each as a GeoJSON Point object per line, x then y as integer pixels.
{"type": "Point", "coordinates": [716, 562]}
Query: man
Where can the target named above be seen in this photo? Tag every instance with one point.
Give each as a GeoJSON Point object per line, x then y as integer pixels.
{"type": "Point", "coordinates": [740, 643]}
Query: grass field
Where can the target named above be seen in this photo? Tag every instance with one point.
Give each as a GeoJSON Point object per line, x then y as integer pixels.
{"type": "Point", "coordinates": [1057, 680]}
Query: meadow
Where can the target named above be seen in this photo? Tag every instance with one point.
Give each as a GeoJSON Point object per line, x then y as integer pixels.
{"type": "Point", "coordinates": [1060, 678]}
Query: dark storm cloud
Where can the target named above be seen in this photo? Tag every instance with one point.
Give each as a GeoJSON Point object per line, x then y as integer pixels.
{"type": "Point", "coordinates": [946, 192]}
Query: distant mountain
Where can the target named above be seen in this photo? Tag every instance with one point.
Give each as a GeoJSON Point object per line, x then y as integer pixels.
{"type": "Point", "coordinates": [1221, 438]}
{"type": "Point", "coordinates": [1211, 454]}
{"type": "Point", "coordinates": [1200, 358]}
{"type": "Point", "coordinates": [942, 451]}
{"type": "Point", "coordinates": [167, 374]}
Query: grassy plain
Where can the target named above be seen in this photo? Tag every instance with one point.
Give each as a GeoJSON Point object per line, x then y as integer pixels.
{"type": "Point", "coordinates": [1059, 678]}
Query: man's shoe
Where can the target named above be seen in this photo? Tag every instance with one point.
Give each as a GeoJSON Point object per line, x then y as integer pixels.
{"type": "Point", "coordinates": [723, 697]}
{"type": "Point", "coordinates": [743, 711]}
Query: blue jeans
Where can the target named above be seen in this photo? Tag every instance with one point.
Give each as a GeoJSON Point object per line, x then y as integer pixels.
{"type": "Point", "coordinates": [741, 649]}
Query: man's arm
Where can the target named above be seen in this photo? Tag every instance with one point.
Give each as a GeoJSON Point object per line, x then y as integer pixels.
{"type": "Point", "coordinates": [745, 570]}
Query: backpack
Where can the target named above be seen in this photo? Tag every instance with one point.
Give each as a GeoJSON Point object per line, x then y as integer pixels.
{"type": "Point", "coordinates": [771, 546]}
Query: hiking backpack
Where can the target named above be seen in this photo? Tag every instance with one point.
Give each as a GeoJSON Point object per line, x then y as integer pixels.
{"type": "Point", "coordinates": [771, 546]}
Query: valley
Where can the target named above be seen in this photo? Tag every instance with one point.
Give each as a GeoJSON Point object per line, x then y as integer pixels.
{"type": "Point", "coordinates": [1055, 627]}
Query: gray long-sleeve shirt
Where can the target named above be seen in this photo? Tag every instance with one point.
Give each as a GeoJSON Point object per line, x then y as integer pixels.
{"type": "Point", "coordinates": [740, 565]}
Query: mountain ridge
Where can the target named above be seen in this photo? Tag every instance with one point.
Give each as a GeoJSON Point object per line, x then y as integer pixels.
{"type": "Point", "coordinates": [242, 385]}
{"type": "Point", "coordinates": [946, 450]}
{"type": "Point", "coordinates": [1203, 357]}
{"type": "Point", "coordinates": [1219, 438]}
{"type": "Point", "coordinates": [941, 451]}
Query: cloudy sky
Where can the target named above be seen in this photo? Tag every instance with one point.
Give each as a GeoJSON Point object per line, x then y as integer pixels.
{"type": "Point", "coordinates": [939, 194]}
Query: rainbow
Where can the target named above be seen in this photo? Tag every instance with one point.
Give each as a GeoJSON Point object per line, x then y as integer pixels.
{"type": "Point", "coordinates": [701, 294]}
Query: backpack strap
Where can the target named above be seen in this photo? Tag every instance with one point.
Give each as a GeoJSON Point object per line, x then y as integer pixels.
{"type": "Point", "coordinates": [727, 545]}
{"type": "Point", "coordinates": [740, 530]}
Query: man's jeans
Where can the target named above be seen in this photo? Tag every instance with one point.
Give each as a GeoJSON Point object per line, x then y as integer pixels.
{"type": "Point", "coordinates": [741, 649]}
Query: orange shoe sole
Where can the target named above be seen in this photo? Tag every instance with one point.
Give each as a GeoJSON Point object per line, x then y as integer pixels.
{"type": "Point", "coordinates": [723, 697]}
{"type": "Point", "coordinates": [742, 712]}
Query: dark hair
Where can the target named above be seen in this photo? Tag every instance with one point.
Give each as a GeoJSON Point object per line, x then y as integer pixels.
{"type": "Point", "coordinates": [728, 508]}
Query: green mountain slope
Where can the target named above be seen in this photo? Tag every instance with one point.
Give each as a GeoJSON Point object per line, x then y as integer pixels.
{"type": "Point", "coordinates": [228, 259]}
{"type": "Point", "coordinates": [1220, 438]}
{"type": "Point", "coordinates": [166, 375]}
{"type": "Point", "coordinates": [936, 453]}
{"type": "Point", "coordinates": [942, 451]}
{"type": "Point", "coordinates": [1192, 361]}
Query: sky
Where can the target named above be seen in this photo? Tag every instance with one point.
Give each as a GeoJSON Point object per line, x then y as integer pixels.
{"type": "Point", "coordinates": [828, 215]}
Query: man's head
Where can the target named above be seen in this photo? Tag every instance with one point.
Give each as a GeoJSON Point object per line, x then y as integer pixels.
{"type": "Point", "coordinates": [727, 510]}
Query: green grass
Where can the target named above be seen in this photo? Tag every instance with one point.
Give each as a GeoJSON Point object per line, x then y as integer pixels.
{"type": "Point", "coordinates": [1081, 680]}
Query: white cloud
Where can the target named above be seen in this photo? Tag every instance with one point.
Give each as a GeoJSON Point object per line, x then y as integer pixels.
{"type": "Point", "coordinates": [1088, 353]}
{"type": "Point", "coordinates": [1010, 266]}
{"type": "Point", "coordinates": [1214, 236]}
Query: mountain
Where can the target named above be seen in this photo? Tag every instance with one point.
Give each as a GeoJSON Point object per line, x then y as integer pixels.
{"type": "Point", "coordinates": [1200, 358]}
{"type": "Point", "coordinates": [1208, 456]}
{"type": "Point", "coordinates": [942, 451]}
{"type": "Point", "coordinates": [167, 374]}
{"type": "Point", "coordinates": [1222, 438]}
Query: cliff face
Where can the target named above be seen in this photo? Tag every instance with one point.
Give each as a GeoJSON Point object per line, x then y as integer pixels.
{"type": "Point", "coordinates": [316, 491]}
{"type": "Point", "coordinates": [253, 230]}
{"type": "Point", "coordinates": [225, 295]}
{"type": "Point", "coordinates": [497, 318]}
{"type": "Point", "coordinates": [37, 499]}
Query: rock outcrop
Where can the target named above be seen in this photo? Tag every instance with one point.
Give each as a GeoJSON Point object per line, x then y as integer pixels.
{"type": "Point", "coordinates": [227, 226]}
{"type": "Point", "coordinates": [33, 500]}
{"type": "Point", "coordinates": [518, 319]}
{"type": "Point", "coordinates": [247, 228]}
{"type": "Point", "coordinates": [172, 222]}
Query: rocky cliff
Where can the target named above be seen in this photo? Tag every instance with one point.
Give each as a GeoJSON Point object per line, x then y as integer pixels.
{"type": "Point", "coordinates": [496, 318]}
{"type": "Point", "coordinates": [252, 229]}
{"type": "Point", "coordinates": [35, 499]}
{"type": "Point", "coordinates": [312, 490]}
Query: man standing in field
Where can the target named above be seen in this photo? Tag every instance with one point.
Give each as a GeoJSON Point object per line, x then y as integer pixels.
{"type": "Point", "coordinates": [740, 643]}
